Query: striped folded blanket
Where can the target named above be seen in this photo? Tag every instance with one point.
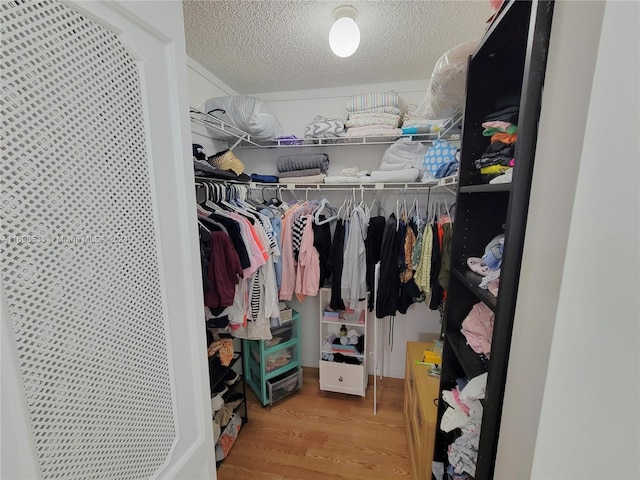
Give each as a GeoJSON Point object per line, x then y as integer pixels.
{"type": "Point", "coordinates": [364, 101]}
{"type": "Point", "coordinates": [302, 161]}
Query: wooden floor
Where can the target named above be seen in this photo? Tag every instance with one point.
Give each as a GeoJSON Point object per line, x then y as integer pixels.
{"type": "Point", "coordinates": [322, 435]}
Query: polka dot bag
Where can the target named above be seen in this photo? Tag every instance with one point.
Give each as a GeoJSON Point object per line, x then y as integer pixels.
{"type": "Point", "coordinates": [440, 153]}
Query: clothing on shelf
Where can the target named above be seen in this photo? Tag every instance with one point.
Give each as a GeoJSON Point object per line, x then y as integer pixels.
{"type": "Point", "coordinates": [373, 114]}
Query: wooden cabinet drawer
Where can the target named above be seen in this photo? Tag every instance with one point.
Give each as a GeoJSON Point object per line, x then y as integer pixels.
{"type": "Point", "coordinates": [420, 411]}
{"type": "Point", "coordinates": [341, 377]}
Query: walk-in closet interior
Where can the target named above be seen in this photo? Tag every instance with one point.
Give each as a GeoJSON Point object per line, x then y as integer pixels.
{"type": "Point", "coordinates": [368, 240]}
{"type": "Point", "coordinates": [399, 207]}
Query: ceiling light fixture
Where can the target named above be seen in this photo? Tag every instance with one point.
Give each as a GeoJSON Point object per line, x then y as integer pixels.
{"type": "Point", "coordinates": [344, 36]}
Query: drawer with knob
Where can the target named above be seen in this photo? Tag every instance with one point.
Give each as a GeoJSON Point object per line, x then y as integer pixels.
{"type": "Point", "coordinates": [341, 377]}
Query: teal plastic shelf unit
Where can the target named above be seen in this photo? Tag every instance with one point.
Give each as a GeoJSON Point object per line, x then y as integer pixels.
{"type": "Point", "coordinates": [272, 367]}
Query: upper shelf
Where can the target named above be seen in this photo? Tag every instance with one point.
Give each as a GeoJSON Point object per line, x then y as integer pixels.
{"type": "Point", "coordinates": [242, 139]}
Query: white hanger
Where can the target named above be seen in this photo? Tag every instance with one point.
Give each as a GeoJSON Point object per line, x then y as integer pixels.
{"type": "Point", "coordinates": [325, 203]}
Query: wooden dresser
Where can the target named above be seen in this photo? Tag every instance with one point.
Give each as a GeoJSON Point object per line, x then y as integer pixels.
{"type": "Point", "coordinates": [420, 410]}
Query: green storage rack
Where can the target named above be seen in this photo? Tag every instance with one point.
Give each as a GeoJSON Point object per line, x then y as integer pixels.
{"type": "Point", "coordinates": [272, 367]}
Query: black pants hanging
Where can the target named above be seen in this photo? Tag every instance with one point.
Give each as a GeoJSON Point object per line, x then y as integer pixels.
{"type": "Point", "coordinates": [336, 261]}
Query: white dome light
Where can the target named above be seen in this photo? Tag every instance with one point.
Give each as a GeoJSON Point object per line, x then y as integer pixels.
{"type": "Point", "coordinates": [344, 36]}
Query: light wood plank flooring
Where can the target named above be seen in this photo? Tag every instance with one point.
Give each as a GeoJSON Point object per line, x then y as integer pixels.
{"type": "Point", "coordinates": [322, 435]}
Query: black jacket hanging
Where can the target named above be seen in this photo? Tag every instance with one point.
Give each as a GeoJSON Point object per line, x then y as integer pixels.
{"type": "Point", "coordinates": [373, 244]}
{"type": "Point", "coordinates": [389, 282]}
{"type": "Point", "coordinates": [436, 289]}
{"type": "Point", "coordinates": [336, 260]}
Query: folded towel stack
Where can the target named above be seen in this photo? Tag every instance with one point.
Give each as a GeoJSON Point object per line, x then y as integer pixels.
{"type": "Point", "coordinates": [350, 175]}
{"type": "Point", "coordinates": [415, 122]}
{"type": "Point", "coordinates": [373, 114]}
{"type": "Point", "coordinates": [303, 168]}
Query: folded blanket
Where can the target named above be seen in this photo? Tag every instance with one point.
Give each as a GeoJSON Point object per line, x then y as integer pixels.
{"type": "Point", "coordinates": [344, 179]}
{"type": "Point", "coordinates": [302, 161]}
{"type": "Point", "coordinates": [364, 119]}
{"type": "Point", "coordinates": [255, 177]}
{"type": "Point", "coordinates": [371, 100]}
{"type": "Point", "coordinates": [307, 179]}
{"type": "Point", "coordinates": [403, 154]}
{"type": "Point", "coordinates": [323, 127]}
{"type": "Point", "coordinates": [374, 130]}
{"type": "Point", "coordinates": [390, 167]}
{"type": "Point", "coordinates": [408, 175]}
{"type": "Point", "coordinates": [383, 109]}
{"type": "Point", "coordinates": [307, 172]}
{"type": "Point", "coordinates": [420, 130]}
{"type": "Point", "coordinates": [353, 172]}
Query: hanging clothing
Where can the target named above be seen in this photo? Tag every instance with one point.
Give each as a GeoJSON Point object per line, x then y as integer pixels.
{"type": "Point", "coordinates": [308, 271]}
{"type": "Point", "coordinates": [373, 244]}
{"type": "Point", "coordinates": [288, 281]}
{"type": "Point", "coordinates": [436, 288]}
{"type": "Point", "coordinates": [322, 243]}
{"type": "Point", "coordinates": [224, 271]}
{"type": "Point", "coordinates": [389, 286]}
{"type": "Point", "coordinates": [423, 271]}
{"type": "Point", "coordinates": [445, 264]}
{"type": "Point", "coordinates": [353, 282]}
{"type": "Point", "coordinates": [336, 260]}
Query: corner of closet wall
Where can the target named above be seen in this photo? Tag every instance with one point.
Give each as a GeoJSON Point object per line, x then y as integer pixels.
{"type": "Point", "coordinates": [296, 109]}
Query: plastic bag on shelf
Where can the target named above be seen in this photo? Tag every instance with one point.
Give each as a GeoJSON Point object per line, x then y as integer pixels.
{"type": "Point", "coordinates": [446, 92]}
{"type": "Point", "coordinates": [249, 114]}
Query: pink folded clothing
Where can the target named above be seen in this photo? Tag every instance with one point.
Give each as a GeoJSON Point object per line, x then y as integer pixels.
{"type": "Point", "coordinates": [477, 328]}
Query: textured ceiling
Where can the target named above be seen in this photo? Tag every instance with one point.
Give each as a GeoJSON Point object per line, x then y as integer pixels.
{"type": "Point", "coordinates": [277, 45]}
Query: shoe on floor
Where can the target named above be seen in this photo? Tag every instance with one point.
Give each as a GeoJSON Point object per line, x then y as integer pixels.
{"type": "Point", "coordinates": [231, 377]}
{"type": "Point", "coordinates": [216, 432]}
{"type": "Point", "coordinates": [216, 403]}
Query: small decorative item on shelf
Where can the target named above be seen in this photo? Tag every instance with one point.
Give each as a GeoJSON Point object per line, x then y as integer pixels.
{"type": "Point", "coordinates": [343, 331]}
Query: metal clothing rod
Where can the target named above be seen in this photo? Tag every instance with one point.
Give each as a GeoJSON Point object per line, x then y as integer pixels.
{"type": "Point", "coordinates": [353, 186]}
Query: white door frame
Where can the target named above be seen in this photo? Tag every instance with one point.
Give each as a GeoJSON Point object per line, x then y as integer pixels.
{"type": "Point", "coordinates": [153, 32]}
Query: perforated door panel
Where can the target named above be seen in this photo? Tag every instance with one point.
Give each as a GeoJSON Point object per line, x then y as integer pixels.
{"type": "Point", "coordinates": [79, 261]}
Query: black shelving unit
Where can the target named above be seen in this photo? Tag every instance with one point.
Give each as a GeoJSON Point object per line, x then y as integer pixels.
{"type": "Point", "coordinates": [511, 57]}
{"type": "Point", "coordinates": [217, 374]}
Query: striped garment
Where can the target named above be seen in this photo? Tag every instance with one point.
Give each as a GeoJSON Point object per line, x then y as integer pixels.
{"type": "Point", "coordinates": [296, 234]}
{"type": "Point", "coordinates": [364, 101]}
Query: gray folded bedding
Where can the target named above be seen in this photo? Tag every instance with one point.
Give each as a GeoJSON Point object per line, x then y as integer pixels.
{"type": "Point", "coordinates": [303, 161]}
{"type": "Point", "coordinates": [300, 173]}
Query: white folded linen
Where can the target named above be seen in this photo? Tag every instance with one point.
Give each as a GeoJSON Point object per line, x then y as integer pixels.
{"type": "Point", "coordinates": [407, 175]}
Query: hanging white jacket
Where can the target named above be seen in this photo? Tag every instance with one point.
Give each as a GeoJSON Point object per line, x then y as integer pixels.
{"type": "Point", "coordinates": [353, 282]}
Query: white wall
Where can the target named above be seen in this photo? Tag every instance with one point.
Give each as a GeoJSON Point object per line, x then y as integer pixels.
{"type": "Point", "coordinates": [589, 424]}
{"type": "Point", "coordinates": [575, 338]}
{"type": "Point", "coordinates": [203, 84]}
{"type": "Point", "coordinates": [298, 108]}
{"type": "Point", "coordinates": [565, 101]}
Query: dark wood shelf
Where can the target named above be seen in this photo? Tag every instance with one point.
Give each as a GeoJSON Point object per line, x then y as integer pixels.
{"type": "Point", "coordinates": [236, 356]}
{"type": "Point", "coordinates": [496, 23]}
{"type": "Point", "coordinates": [507, 69]}
{"type": "Point", "coordinates": [486, 188]}
{"type": "Point", "coordinates": [471, 280]}
{"type": "Point", "coordinates": [471, 362]}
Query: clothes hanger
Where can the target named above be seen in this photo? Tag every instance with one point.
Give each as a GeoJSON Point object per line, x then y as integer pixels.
{"type": "Point", "coordinates": [324, 204]}
{"type": "Point", "coordinates": [346, 199]}
{"type": "Point", "coordinates": [361, 204]}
